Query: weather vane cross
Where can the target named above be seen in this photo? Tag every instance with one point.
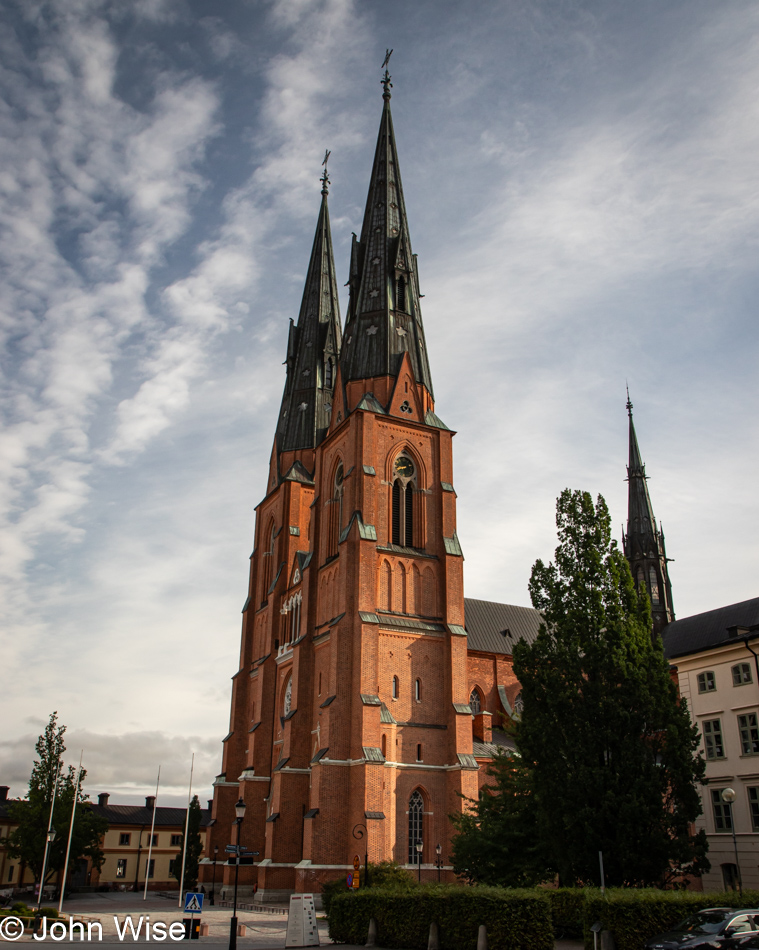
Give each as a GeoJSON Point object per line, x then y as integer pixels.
{"type": "Point", "coordinates": [387, 85]}
{"type": "Point", "coordinates": [325, 177]}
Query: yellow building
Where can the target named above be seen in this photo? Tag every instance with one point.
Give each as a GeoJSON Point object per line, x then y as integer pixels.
{"type": "Point", "coordinates": [126, 846]}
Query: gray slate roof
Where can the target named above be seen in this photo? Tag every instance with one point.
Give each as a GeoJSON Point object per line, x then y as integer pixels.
{"type": "Point", "coordinates": [486, 620]}
{"type": "Point", "coordinates": [709, 629]}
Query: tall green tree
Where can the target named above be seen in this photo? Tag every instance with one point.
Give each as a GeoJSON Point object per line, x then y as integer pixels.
{"type": "Point", "coordinates": [27, 841]}
{"type": "Point", "coordinates": [607, 740]}
{"type": "Point", "coordinates": [194, 847]}
{"type": "Point", "coordinates": [497, 840]}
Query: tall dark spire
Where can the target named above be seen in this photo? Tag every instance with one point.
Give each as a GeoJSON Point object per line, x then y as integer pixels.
{"type": "Point", "coordinates": [384, 316]}
{"type": "Point", "coordinates": [313, 347]}
{"type": "Point", "coordinates": [644, 544]}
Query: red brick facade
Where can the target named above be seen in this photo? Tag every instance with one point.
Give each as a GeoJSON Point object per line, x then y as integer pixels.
{"type": "Point", "coordinates": [354, 681]}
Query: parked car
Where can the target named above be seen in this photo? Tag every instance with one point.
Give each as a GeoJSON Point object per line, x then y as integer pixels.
{"type": "Point", "coordinates": [714, 927]}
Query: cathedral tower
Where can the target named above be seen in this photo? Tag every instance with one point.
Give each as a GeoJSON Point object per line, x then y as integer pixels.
{"type": "Point", "coordinates": [350, 725]}
{"type": "Point", "coordinates": [643, 543]}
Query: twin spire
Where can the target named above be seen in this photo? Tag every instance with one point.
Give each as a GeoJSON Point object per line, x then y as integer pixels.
{"type": "Point", "coordinates": [384, 316]}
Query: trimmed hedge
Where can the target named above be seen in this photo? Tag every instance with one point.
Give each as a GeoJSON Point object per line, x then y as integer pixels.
{"type": "Point", "coordinates": [515, 920]}
{"type": "Point", "coordinates": [567, 910]}
{"type": "Point", "coordinates": [633, 916]}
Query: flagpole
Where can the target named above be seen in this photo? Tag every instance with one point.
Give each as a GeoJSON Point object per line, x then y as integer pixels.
{"type": "Point", "coordinates": [186, 831]}
{"type": "Point", "coordinates": [71, 832]}
{"type": "Point", "coordinates": [152, 828]}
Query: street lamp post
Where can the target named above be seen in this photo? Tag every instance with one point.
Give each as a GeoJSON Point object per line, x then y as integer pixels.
{"type": "Point", "coordinates": [213, 881]}
{"type": "Point", "coordinates": [240, 812]}
{"type": "Point", "coordinates": [438, 860]}
{"type": "Point", "coordinates": [728, 795]}
{"type": "Point", "coordinates": [358, 834]}
{"type": "Point", "coordinates": [419, 848]}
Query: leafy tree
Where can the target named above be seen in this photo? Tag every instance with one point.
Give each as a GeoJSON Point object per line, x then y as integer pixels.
{"type": "Point", "coordinates": [497, 840]}
{"type": "Point", "coordinates": [194, 847]}
{"type": "Point", "coordinates": [27, 841]}
{"type": "Point", "coordinates": [608, 742]}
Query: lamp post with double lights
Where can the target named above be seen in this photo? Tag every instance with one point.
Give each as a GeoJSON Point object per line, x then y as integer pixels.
{"type": "Point", "coordinates": [419, 848]}
{"type": "Point", "coordinates": [213, 881]}
{"type": "Point", "coordinates": [438, 860]}
{"type": "Point", "coordinates": [728, 796]}
{"type": "Point", "coordinates": [240, 812]}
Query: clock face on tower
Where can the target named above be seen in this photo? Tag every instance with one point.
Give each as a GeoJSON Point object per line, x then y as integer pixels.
{"type": "Point", "coordinates": [403, 467]}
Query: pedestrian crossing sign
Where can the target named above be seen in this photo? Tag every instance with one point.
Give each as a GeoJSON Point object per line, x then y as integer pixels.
{"type": "Point", "coordinates": [193, 903]}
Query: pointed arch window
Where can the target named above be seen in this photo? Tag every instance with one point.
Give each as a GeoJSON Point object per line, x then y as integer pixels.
{"type": "Point", "coordinates": [268, 558]}
{"type": "Point", "coordinates": [395, 687]}
{"type": "Point", "coordinates": [654, 582]}
{"type": "Point", "coordinates": [328, 372]}
{"type": "Point", "coordinates": [400, 294]}
{"type": "Point", "coordinates": [288, 697]}
{"type": "Point", "coordinates": [404, 489]}
{"type": "Point", "coordinates": [415, 826]}
{"type": "Point", "coordinates": [475, 703]}
{"type": "Point", "coordinates": [336, 512]}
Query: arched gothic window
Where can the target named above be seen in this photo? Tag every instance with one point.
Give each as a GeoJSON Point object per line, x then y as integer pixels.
{"type": "Point", "coordinates": [518, 705]}
{"type": "Point", "coordinates": [475, 703]}
{"type": "Point", "coordinates": [654, 582]}
{"type": "Point", "coordinates": [286, 705]}
{"type": "Point", "coordinates": [415, 826]}
{"type": "Point", "coordinates": [336, 512]}
{"type": "Point", "coordinates": [404, 488]}
{"type": "Point", "coordinates": [395, 687]}
{"type": "Point", "coordinates": [418, 691]}
{"type": "Point", "coordinates": [328, 372]}
{"type": "Point", "coordinates": [268, 558]}
{"type": "Point", "coordinates": [291, 623]}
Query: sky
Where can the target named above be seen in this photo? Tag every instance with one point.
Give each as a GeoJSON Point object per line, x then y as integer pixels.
{"type": "Point", "coordinates": [581, 185]}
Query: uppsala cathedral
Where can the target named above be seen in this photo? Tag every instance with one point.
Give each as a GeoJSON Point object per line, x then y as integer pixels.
{"type": "Point", "coordinates": [370, 693]}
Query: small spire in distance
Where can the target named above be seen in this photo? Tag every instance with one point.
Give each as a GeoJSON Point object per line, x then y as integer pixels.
{"type": "Point", "coordinates": [325, 177]}
{"type": "Point", "coordinates": [629, 404]}
{"type": "Point", "coordinates": [386, 84]}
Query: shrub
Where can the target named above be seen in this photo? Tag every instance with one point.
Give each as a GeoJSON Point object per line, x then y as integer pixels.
{"type": "Point", "coordinates": [515, 920]}
{"type": "Point", "coordinates": [49, 912]}
{"type": "Point", "coordinates": [567, 910]}
{"type": "Point", "coordinates": [384, 874]}
{"type": "Point", "coordinates": [20, 908]}
{"type": "Point", "coordinates": [633, 916]}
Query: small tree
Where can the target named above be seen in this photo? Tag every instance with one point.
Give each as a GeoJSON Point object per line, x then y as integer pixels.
{"type": "Point", "coordinates": [194, 847]}
{"type": "Point", "coordinates": [497, 840]}
{"type": "Point", "coordinates": [27, 841]}
{"type": "Point", "coordinates": [606, 738]}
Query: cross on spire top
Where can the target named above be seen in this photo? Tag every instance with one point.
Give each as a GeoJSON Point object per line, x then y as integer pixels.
{"type": "Point", "coordinates": [386, 84]}
{"type": "Point", "coordinates": [325, 177]}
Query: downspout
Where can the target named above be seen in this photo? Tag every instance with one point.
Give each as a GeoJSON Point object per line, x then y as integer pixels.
{"type": "Point", "coordinates": [137, 871]}
{"type": "Point", "coordinates": [756, 657]}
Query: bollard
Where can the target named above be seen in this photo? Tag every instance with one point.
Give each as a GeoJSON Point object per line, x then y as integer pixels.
{"type": "Point", "coordinates": [482, 938]}
{"type": "Point", "coordinates": [433, 943]}
{"type": "Point", "coordinates": [371, 937]}
{"type": "Point", "coordinates": [607, 940]}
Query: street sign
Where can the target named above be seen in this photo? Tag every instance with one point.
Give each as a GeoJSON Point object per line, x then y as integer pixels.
{"type": "Point", "coordinates": [356, 862]}
{"type": "Point", "coordinates": [349, 879]}
{"type": "Point", "coordinates": [193, 903]}
{"type": "Point", "coordinates": [356, 879]}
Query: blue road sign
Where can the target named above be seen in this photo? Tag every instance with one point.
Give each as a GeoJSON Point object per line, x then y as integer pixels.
{"type": "Point", "coordinates": [193, 903]}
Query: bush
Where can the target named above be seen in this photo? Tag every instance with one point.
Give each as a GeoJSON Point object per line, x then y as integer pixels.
{"type": "Point", "coordinates": [567, 910]}
{"type": "Point", "coordinates": [49, 912]}
{"type": "Point", "coordinates": [634, 916]}
{"type": "Point", "coordinates": [515, 920]}
{"type": "Point", "coordinates": [20, 908]}
{"type": "Point", "coordinates": [384, 874]}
